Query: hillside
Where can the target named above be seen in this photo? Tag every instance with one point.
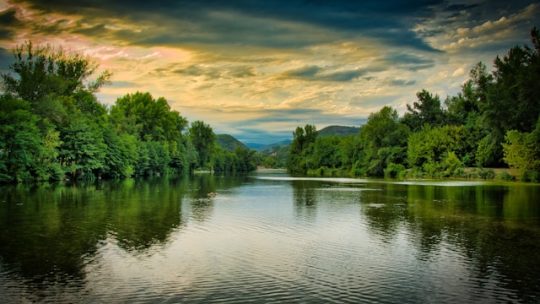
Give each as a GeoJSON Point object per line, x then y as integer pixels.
{"type": "Point", "coordinates": [269, 147]}
{"type": "Point", "coordinates": [229, 143]}
{"type": "Point", "coordinates": [338, 130]}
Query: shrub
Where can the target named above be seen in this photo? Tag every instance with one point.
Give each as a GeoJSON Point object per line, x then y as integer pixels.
{"type": "Point", "coordinates": [486, 173]}
{"type": "Point", "coordinates": [506, 176]}
{"type": "Point", "coordinates": [394, 171]}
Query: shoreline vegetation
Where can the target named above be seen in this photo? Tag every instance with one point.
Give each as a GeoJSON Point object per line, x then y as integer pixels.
{"type": "Point", "coordinates": [489, 130]}
{"type": "Point", "coordinates": [53, 128]}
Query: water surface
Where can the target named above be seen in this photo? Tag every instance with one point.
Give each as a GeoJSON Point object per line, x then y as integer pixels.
{"type": "Point", "coordinates": [270, 239]}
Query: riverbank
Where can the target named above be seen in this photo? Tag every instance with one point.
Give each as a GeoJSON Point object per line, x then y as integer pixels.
{"type": "Point", "coordinates": [469, 173]}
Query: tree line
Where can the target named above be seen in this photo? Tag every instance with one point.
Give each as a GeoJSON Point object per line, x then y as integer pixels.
{"type": "Point", "coordinates": [52, 127]}
{"type": "Point", "coordinates": [493, 122]}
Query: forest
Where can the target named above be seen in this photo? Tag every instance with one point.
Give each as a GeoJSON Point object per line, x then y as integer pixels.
{"type": "Point", "coordinates": [53, 128]}
{"type": "Point", "coordinates": [492, 123]}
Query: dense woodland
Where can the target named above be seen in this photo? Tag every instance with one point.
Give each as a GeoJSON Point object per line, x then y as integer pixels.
{"type": "Point", "coordinates": [52, 127]}
{"type": "Point", "coordinates": [492, 123]}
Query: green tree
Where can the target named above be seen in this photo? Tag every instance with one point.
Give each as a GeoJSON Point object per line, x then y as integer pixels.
{"type": "Point", "coordinates": [522, 150]}
{"type": "Point", "coordinates": [20, 140]}
{"type": "Point", "coordinates": [300, 149]}
{"type": "Point", "coordinates": [40, 71]}
{"type": "Point", "coordinates": [82, 152]}
{"type": "Point", "coordinates": [384, 141]}
{"type": "Point", "coordinates": [147, 118]}
{"type": "Point", "coordinates": [203, 139]}
{"type": "Point", "coordinates": [432, 146]}
{"type": "Point", "coordinates": [426, 111]}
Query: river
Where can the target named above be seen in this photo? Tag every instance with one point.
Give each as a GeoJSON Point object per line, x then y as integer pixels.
{"type": "Point", "coordinates": [270, 238]}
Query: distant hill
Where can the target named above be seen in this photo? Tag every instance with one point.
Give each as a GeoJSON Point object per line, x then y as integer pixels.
{"type": "Point", "coordinates": [229, 143]}
{"type": "Point", "coordinates": [269, 147]}
{"type": "Point", "coordinates": [338, 130]}
{"type": "Point", "coordinates": [255, 146]}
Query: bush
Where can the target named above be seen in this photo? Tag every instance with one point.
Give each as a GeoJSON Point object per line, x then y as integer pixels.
{"type": "Point", "coordinates": [394, 171]}
{"type": "Point", "coordinates": [506, 176]}
{"type": "Point", "coordinates": [451, 165]}
{"type": "Point", "coordinates": [531, 176]}
{"type": "Point", "coordinates": [486, 173]}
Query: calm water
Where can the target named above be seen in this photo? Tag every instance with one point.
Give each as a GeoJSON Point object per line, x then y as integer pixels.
{"type": "Point", "coordinates": [270, 239]}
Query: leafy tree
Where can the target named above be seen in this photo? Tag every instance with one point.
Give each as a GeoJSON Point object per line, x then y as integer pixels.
{"type": "Point", "coordinates": [384, 141]}
{"type": "Point", "coordinates": [203, 139]}
{"type": "Point", "coordinates": [82, 152]}
{"type": "Point", "coordinates": [522, 150]}
{"type": "Point", "coordinates": [327, 153]}
{"type": "Point", "coordinates": [300, 149]}
{"type": "Point", "coordinates": [40, 71]}
{"type": "Point", "coordinates": [20, 140]}
{"type": "Point", "coordinates": [426, 111]}
{"type": "Point", "coordinates": [147, 118]}
{"type": "Point", "coordinates": [121, 154]}
{"type": "Point", "coordinates": [432, 145]}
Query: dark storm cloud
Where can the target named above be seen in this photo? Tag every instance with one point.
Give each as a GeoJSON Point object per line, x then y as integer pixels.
{"type": "Point", "coordinates": [204, 22]}
{"type": "Point", "coordinates": [8, 23]}
{"type": "Point", "coordinates": [8, 18]}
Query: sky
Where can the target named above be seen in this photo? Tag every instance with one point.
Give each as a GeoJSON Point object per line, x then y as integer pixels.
{"type": "Point", "coordinates": [258, 69]}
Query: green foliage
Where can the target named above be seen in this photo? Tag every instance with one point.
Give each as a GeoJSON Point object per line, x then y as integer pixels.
{"type": "Point", "coordinates": [451, 165]}
{"type": "Point", "coordinates": [20, 140]}
{"type": "Point", "coordinates": [430, 145]}
{"type": "Point", "coordinates": [383, 140]}
{"type": "Point", "coordinates": [486, 173]}
{"type": "Point", "coordinates": [326, 152]}
{"type": "Point", "coordinates": [147, 118]}
{"type": "Point", "coordinates": [40, 71]}
{"type": "Point", "coordinates": [228, 142]}
{"type": "Point", "coordinates": [275, 157]}
{"type": "Point", "coordinates": [426, 111]}
{"type": "Point", "coordinates": [506, 176]}
{"type": "Point", "coordinates": [242, 160]}
{"type": "Point", "coordinates": [394, 171]}
{"type": "Point", "coordinates": [82, 152]}
{"type": "Point", "coordinates": [203, 138]}
{"type": "Point", "coordinates": [300, 150]}
{"type": "Point", "coordinates": [52, 126]}
{"type": "Point", "coordinates": [522, 151]}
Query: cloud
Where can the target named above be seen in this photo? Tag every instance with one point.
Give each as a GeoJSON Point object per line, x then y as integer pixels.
{"type": "Point", "coordinates": [8, 23]}
{"type": "Point", "coordinates": [123, 84]}
{"type": "Point", "coordinates": [488, 27]}
{"type": "Point", "coordinates": [315, 73]}
{"type": "Point", "coordinates": [268, 66]}
{"type": "Point", "coordinates": [279, 24]}
{"type": "Point", "coordinates": [410, 61]}
{"type": "Point", "coordinates": [402, 82]}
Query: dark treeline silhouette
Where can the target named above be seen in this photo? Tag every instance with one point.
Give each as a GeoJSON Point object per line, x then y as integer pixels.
{"type": "Point", "coordinates": [52, 127]}
{"type": "Point", "coordinates": [493, 122]}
